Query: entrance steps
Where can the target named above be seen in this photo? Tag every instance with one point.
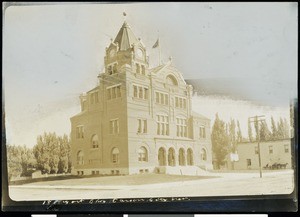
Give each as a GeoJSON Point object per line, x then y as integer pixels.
{"type": "Point", "coordinates": [182, 170]}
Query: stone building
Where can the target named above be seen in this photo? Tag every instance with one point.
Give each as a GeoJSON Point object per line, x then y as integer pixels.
{"type": "Point", "coordinates": [138, 119]}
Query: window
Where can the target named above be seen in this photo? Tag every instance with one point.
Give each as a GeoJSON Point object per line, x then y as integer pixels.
{"type": "Point", "coordinates": [181, 157]}
{"type": "Point", "coordinates": [80, 160]}
{"type": "Point", "coordinates": [79, 132]}
{"type": "Point", "coordinates": [114, 126]}
{"type": "Point", "coordinates": [171, 157]}
{"type": "Point", "coordinates": [256, 150]}
{"type": "Point", "coordinates": [109, 70]}
{"type": "Point", "coordinates": [113, 92]}
{"type": "Point", "coordinates": [202, 132]}
{"type": "Point", "coordinates": [143, 70]}
{"type": "Point", "coordinates": [143, 154]}
{"type": "Point", "coordinates": [94, 97]}
{"type": "Point", "coordinates": [140, 92]}
{"type": "Point", "coordinates": [180, 102]}
{"type": "Point", "coordinates": [115, 155]}
{"type": "Point", "coordinates": [286, 148]}
{"type": "Point", "coordinates": [137, 68]}
{"type": "Point", "coordinates": [142, 126]}
{"type": "Point", "coordinates": [248, 162]}
{"type": "Point", "coordinates": [95, 143]}
{"type": "Point", "coordinates": [181, 127]}
{"type": "Point", "coordinates": [171, 80]}
{"type": "Point", "coordinates": [203, 154]}
{"type": "Point", "coordinates": [190, 158]}
{"type": "Point", "coordinates": [162, 125]}
{"type": "Point", "coordinates": [270, 149]}
{"type": "Point", "coordinates": [162, 98]}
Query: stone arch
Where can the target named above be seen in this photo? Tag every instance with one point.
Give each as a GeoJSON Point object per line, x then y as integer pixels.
{"type": "Point", "coordinates": [190, 157]}
{"type": "Point", "coordinates": [162, 156]}
{"type": "Point", "coordinates": [171, 157]}
{"type": "Point", "coordinates": [181, 157]}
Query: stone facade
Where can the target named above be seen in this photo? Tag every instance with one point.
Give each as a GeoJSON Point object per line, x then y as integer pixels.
{"type": "Point", "coordinates": [138, 119]}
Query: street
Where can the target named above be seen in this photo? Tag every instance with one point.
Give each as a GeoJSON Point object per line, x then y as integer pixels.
{"type": "Point", "coordinates": [219, 184]}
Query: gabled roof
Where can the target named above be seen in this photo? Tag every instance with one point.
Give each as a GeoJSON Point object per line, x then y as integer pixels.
{"type": "Point", "coordinates": [125, 37]}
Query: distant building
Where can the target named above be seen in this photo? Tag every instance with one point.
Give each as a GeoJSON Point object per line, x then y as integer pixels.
{"type": "Point", "coordinates": [138, 119]}
{"type": "Point", "coordinates": [272, 152]}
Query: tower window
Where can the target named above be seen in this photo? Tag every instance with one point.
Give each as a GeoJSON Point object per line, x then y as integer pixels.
{"type": "Point", "coordinates": [113, 92]}
{"type": "Point", "coordinates": [79, 132]}
{"type": "Point", "coordinates": [140, 92]}
{"type": "Point", "coordinates": [114, 126]}
{"type": "Point", "coordinates": [142, 126]}
{"type": "Point", "coordinates": [286, 148]}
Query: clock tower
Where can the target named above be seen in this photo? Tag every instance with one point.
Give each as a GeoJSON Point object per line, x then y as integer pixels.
{"type": "Point", "coordinates": [126, 49]}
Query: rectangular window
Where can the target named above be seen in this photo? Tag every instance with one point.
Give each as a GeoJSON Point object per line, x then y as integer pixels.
{"type": "Point", "coordinates": [162, 125]}
{"type": "Point", "coordinates": [180, 102]}
{"type": "Point", "coordinates": [112, 92]}
{"type": "Point", "coordinates": [140, 92]}
{"type": "Point", "coordinates": [114, 126]}
{"type": "Point", "coordinates": [286, 148]}
{"type": "Point", "coordinates": [181, 127]}
{"type": "Point", "coordinates": [248, 162]}
{"type": "Point", "coordinates": [142, 126]}
{"type": "Point", "coordinates": [256, 150]}
{"type": "Point", "coordinates": [79, 132]}
{"type": "Point", "coordinates": [162, 98]}
{"type": "Point", "coordinates": [94, 97]}
{"type": "Point", "coordinates": [202, 132]}
{"type": "Point", "coordinates": [270, 149]}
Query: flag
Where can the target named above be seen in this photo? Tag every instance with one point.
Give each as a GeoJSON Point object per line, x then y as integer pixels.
{"type": "Point", "coordinates": [156, 44]}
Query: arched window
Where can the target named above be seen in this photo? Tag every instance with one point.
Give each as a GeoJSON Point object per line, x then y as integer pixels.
{"type": "Point", "coordinates": [143, 154]}
{"type": "Point", "coordinates": [181, 157]}
{"type": "Point", "coordinates": [162, 157]}
{"type": "Point", "coordinates": [190, 157]}
{"type": "Point", "coordinates": [95, 141]}
{"type": "Point", "coordinates": [80, 160]}
{"type": "Point", "coordinates": [171, 157]}
{"type": "Point", "coordinates": [115, 155]}
{"type": "Point", "coordinates": [203, 154]}
{"type": "Point", "coordinates": [171, 80]}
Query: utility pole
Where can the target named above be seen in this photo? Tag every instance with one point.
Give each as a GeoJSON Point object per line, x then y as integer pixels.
{"type": "Point", "coordinates": [256, 120]}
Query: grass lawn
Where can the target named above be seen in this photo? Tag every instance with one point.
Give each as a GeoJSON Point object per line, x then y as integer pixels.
{"type": "Point", "coordinates": [140, 179]}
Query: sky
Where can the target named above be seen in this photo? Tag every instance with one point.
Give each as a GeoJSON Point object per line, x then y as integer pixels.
{"type": "Point", "coordinates": [53, 53]}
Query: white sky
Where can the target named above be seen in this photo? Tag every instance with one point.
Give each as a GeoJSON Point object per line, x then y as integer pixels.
{"type": "Point", "coordinates": [52, 53]}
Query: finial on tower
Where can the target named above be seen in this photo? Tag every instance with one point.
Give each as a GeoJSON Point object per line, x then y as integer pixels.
{"type": "Point", "coordinates": [124, 15]}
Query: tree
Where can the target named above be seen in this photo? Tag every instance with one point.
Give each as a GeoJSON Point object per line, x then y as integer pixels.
{"type": "Point", "coordinates": [274, 134]}
{"type": "Point", "coordinates": [264, 132]}
{"type": "Point", "coordinates": [286, 128]}
{"type": "Point", "coordinates": [53, 153]}
{"type": "Point", "coordinates": [232, 135]}
{"type": "Point", "coordinates": [239, 133]}
{"type": "Point", "coordinates": [220, 141]}
{"type": "Point", "coordinates": [20, 160]}
{"type": "Point", "coordinates": [280, 129]}
{"type": "Point", "coordinates": [250, 134]}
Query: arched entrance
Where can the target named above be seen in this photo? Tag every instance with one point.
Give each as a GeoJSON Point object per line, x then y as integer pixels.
{"type": "Point", "coordinates": [162, 157]}
{"type": "Point", "coordinates": [171, 157]}
{"type": "Point", "coordinates": [181, 157]}
{"type": "Point", "coordinates": [190, 157]}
